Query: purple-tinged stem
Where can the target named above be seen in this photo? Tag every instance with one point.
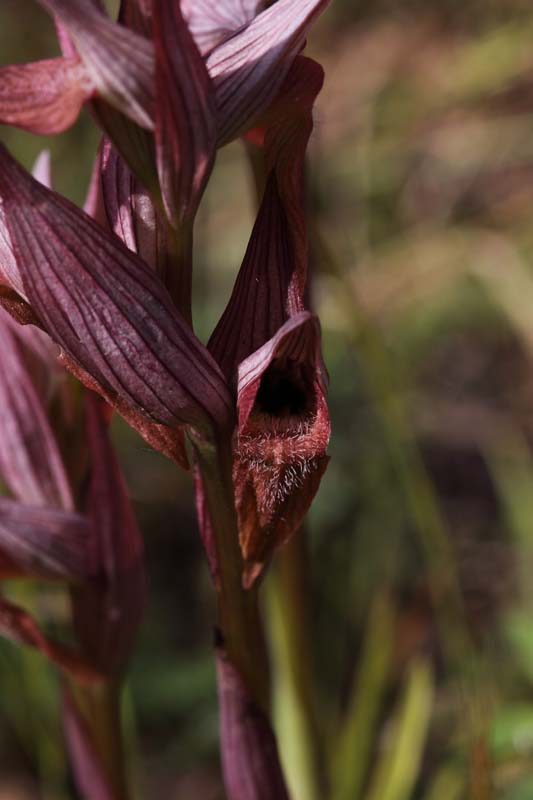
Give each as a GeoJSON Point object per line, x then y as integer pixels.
{"type": "Point", "coordinates": [250, 760]}
{"type": "Point", "coordinates": [178, 279]}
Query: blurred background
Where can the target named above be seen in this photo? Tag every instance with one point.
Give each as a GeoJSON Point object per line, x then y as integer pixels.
{"type": "Point", "coordinates": [415, 589]}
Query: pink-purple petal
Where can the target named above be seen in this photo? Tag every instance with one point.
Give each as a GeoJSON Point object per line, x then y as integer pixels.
{"type": "Point", "coordinates": [118, 61]}
{"type": "Point", "coordinates": [9, 271]}
{"type": "Point", "coordinates": [249, 68]}
{"type": "Point", "coordinates": [43, 97]}
{"type": "Point", "coordinates": [271, 284]}
{"type": "Point", "coordinates": [42, 168]}
{"type": "Point", "coordinates": [212, 22]}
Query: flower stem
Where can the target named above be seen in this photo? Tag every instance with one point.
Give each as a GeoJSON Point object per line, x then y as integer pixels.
{"type": "Point", "coordinates": [238, 613]}
{"type": "Point", "coordinates": [178, 278]}
{"type": "Point", "coordinates": [250, 760]}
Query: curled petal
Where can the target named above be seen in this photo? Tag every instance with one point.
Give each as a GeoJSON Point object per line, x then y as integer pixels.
{"type": "Point", "coordinates": [118, 61]}
{"type": "Point", "coordinates": [18, 626]}
{"type": "Point", "coordinates": [250, 760]}
{"type": "Point", "coordinates": [30, 461]}
{"type": "Point", "coordinates": [44, 96]}
{"type": "Point", "coordinates": [45, 541]}
{"type": "Point", "coordinates": [213, 22]}
{"type": "Point", "coordinates": [283, 432]}
{"type": "Point", "coordinates": [249, 69]}
{"type": "Point", "coordinates": [185, 114]}
{"type": "Point", "coordinates": [108, 310]}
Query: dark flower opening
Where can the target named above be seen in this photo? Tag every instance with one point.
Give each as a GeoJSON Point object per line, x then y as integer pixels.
{"type": "Point", "coordinates": [285, 390]}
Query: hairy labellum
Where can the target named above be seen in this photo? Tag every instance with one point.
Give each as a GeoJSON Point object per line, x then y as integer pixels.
{"type": "Point", "coordinates": [281, 441]}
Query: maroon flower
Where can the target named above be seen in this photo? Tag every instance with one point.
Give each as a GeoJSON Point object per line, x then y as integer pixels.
{"type": "Point", "coordinates": [268, 345]}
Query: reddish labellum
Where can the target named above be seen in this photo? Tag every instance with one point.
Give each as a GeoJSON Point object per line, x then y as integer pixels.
{"type": "Point", "coordinates": [282, 438]}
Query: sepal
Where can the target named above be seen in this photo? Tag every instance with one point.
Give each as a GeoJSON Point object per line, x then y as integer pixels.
{"type": "Point", "coordinates": [105, 307]}
{"type": "Point", "coordinates": [248, 69]}
{"type": "Point", "coordinates": [118, 61]}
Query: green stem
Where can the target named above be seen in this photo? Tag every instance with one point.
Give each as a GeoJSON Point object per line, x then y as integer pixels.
{"type": "Point", "coordinates": [295, 706]}
{"type": "Point", "coordinates": [353, 747]}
